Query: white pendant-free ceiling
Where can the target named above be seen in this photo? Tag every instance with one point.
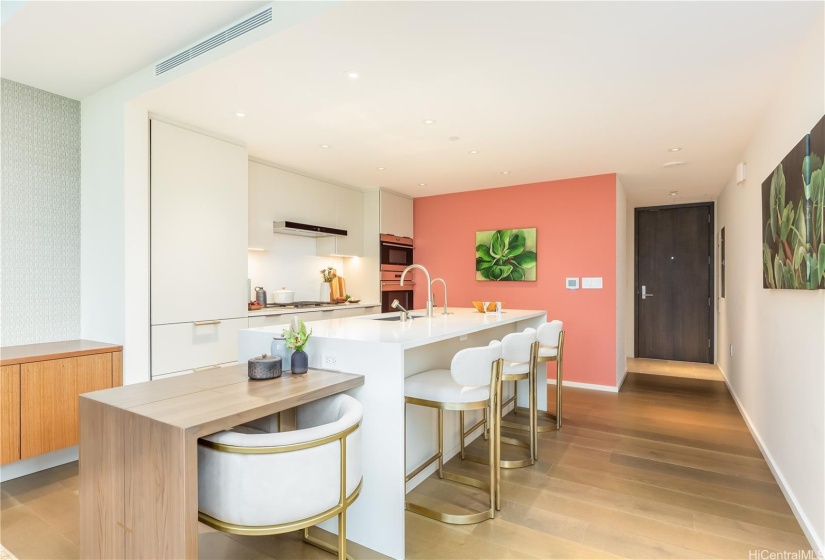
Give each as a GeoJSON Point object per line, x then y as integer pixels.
{"type": "Point", "coordinates": [539, 90]}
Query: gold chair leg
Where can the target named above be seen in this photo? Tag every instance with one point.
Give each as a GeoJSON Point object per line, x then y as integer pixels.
{"type": "Point", "coordinates": [486, 432]}
{"type": "Point", "coordinates": [340, 550]}
{"type": "Point", "coordinates": [440, 443]}
{"type": "Point", "coordinates": [461, 432]}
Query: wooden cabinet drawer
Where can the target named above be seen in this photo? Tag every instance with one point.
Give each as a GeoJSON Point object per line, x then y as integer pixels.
{"type": "Point", "coordinates": [48, 399]}
{"type": "Point", "coordinates": [9, 414]}
{"type": "Point", "coordinates": [187, 346]}
{"type": "Point", "coordinates": [269, 320]}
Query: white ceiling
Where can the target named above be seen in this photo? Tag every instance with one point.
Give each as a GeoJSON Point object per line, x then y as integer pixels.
{"type": "Point", "coordinates": [545, 90]}
{"type": "Point", "coordinates": [77, 48]}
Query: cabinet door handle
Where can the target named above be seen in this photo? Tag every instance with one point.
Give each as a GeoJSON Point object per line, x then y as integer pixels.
{"type": "Point", "coordinates": [202, 323]}
{"type": "Point", "coordinates": [205, 367]}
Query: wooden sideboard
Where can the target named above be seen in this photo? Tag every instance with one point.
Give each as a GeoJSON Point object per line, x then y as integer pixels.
{"type": "Point", "coordinates": [39, 389]}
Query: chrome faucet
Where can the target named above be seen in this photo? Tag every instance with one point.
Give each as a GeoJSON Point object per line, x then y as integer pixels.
{"type": "Point", "coordinates": [429, 296]}
{"type": "Point", "coordinates": [445, 293]}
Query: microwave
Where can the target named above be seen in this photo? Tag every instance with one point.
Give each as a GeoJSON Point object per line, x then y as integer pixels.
{"type": "Point", "coordinates": [396, 252]}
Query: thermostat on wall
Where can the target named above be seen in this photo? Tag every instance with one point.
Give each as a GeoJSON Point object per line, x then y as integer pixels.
{"type": "Point", "coordinates": [572, 283]}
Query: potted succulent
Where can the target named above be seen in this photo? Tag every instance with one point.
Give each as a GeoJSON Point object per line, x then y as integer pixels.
{"type": "Point", "coordinates": [296, 337]}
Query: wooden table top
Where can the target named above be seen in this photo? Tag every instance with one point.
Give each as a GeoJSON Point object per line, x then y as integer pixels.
{"type": "Point", "coordinates": [10, 355]}
{"type": "Point", "coordinates": [208, 401]}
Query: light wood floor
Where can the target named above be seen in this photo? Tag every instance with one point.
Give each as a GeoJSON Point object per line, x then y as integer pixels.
{"type": "Point", "coordinates": [671, 368]}
{"type": "Point", "coordinates": [664, 469]}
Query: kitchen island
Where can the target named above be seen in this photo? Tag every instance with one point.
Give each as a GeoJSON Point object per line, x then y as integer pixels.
{"type": "Point", "coordinates": [386, 351]}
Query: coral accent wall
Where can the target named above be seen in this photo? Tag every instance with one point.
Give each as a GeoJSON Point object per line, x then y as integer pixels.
{"type": "Point", "coordinates": [576, 237]}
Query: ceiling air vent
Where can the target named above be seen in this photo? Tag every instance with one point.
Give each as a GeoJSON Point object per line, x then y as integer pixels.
{"type": "Point", "coordinates": [224, 36]}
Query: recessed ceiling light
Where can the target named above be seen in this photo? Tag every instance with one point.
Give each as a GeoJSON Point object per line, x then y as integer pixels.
{"type": "Point", "coordinates": [325, 145]}
{"type": "Point", "coordinates": [674, 149]}
{"type": "Point", "coordinates": [240, 115]}
{"type": "Point", "coordinates": [422, 184]}
{"type": "Point", "coordinates": [474, 151]}
{"type": "Point", "coordinates": [429, 121]}
{"type": "Point", "coordinates": [674, 163]}
{"type": "Point", "coordinates": [673, 193]}
{"type": "Point", "coordinates": [352, 74]}
{"type": "Point", "coordinates": [505, 172]}
{"type": "Point", "coordinates": [454, 138]}
{"type": "Point", "coordinates": [380, 168]}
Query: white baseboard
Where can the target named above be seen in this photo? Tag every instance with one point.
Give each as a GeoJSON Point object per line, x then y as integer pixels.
{"type": "Point", "coordinates": [803, 520]}
{"type": "Point", "coordinates": [591, 386]}
{"type": "Point", "coordinates": [38, 463]}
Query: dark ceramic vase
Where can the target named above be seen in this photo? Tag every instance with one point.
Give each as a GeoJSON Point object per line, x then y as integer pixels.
{"type": "Point", "coordinates": [300, 362]}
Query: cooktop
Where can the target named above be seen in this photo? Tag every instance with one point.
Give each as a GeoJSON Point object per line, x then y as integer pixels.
{"type": "Point", "coordinates": [302, 304]}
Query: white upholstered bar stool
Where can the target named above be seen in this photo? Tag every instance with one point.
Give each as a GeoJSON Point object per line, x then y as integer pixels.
{"type": "Point", "coordinates": [473, 382]}
{"type": "Point", "coordinates": [251, 482]}
{"type": "Point", "coordinates": [550, 337]}
{"type": "Point", "coordinates": [549, 348]}
{"type": "Point", "coordinates": [518, 352]}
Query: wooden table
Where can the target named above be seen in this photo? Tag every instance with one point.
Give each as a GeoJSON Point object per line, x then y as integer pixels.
{"type": "Point", "coordinates": [138, 452]}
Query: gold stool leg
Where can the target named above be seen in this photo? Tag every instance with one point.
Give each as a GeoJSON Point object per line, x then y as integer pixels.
{"type": "Point", "coordinates": [558, 395]}
{"type": "Point", "coordinates": [486, 432]}
{"type": "Point", "coordinates": [461, 431]}
{"type": "Point", "coordinates": [441, 443]}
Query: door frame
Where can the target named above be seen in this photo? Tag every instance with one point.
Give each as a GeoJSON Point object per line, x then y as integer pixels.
{"type": "Point", "coordinates": [711, 277]}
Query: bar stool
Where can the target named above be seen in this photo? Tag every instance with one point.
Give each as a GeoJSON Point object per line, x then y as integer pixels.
{"type": "Point", "coordinates": [473, 382]}
{"type": "Point", "coordinates": [519, 352]}
{"type": "Point", "coordinates": [550, 343]}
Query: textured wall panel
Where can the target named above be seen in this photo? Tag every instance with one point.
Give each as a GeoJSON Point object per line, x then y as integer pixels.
{"type": "Point", "coordinates": [40, 211]}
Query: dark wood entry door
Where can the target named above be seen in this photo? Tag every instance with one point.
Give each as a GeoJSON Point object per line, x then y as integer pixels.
{"type": "Point", "coordinates": [674, 283]}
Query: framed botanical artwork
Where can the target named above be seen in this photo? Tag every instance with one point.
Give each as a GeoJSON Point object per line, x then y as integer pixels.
{"type": "Point", "coordinates": [506, 255]}
{"type": "Point", "coordinates": [793, 212]}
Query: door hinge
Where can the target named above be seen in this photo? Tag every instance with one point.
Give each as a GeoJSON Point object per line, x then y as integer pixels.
{"type": "Point", "coordinates": [708, 343]}
{"type": "Point", "coordinates": [708, 217]}
{"type": "Point", "coordinates": [708, 302]}
{"type": "Point", "coordinates": [709, 260]}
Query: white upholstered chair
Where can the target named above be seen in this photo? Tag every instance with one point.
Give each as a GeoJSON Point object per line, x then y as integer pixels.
{"type": "Point", "coordinates": [473, 382]}
{"type": "Point", "coordinates": [252, 482]}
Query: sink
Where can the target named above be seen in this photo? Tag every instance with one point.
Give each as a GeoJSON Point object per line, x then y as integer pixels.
{"type": "Point", "coordinates": [394, 318]}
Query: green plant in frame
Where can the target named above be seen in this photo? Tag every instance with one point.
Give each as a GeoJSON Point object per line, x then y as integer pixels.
{"type": "Point", "coordinates": [793, 249]}
{"type": "Point", "coordinates": [506, 255]}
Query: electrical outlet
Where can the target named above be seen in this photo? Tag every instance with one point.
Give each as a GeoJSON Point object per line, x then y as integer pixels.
{"type": "Point", "coordinates": [329, 361]}
{"type": "Point", "coordinates": [462, 338]}
{"type": "Point", "coordinates": [731, 349]}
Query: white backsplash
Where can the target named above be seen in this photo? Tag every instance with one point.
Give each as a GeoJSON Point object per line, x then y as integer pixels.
{"type": "Point", "coordinates": [292, 264]}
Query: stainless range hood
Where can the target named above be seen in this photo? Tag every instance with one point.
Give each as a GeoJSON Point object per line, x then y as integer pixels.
{"type": "Point", "coordinates": [306, 230]}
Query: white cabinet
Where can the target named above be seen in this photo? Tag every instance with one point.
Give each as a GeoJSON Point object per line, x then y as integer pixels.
{"type": "Point", "coordinates": [396, 214]}
{"type": "Point", "coordinates": [194, 345]}
{"type": "Point", "coordinates": [349, 208]}
{"type": "Point", "coordinates": [199, 226]}
{"type": "Point", "coordinates": [277, 195]}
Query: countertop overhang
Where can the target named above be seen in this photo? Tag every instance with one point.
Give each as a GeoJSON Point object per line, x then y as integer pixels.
{"type": "Point", "coordinates": [266, 311]}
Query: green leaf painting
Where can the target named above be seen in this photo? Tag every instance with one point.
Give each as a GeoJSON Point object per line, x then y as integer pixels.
{"type": "Point", "coordinates": [793, 214]}
{"type": "Point", "coordinates": [506, 255]}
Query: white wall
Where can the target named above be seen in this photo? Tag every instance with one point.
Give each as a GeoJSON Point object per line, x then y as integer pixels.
{"type": "Point", "coordinates": [621, 282]}
{"type": "Point", "coordinates": [777, 372]}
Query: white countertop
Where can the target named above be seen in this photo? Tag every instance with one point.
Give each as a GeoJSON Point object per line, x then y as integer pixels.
{"type": "Point", "coordinates": [408, 334]}
{"type": "Point", "coordinates": [292, 310]}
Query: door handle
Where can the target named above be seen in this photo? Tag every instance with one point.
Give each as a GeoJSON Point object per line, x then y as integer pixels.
{"type": "Point", "coordinates": [644, 292]}
{"type": "Point", "coordinates": [204, 323]}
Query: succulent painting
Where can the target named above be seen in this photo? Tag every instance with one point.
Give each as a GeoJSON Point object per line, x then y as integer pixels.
{"type": "Point", "coordinates": [506, 255]}
{"type": "Point", "coordinates": [793, 249]}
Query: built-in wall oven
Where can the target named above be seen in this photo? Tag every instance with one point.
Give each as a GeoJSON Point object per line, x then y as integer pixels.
{"type": "Point", "coordinates": [396, 255]}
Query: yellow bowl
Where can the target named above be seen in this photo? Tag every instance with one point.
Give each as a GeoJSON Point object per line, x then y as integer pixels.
{"type": "Point", "coordinates": [491, 306]}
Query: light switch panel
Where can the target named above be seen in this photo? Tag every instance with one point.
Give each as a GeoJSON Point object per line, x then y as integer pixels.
{"type": "Point", "coordinates": [592, 283]}
{"type": "Point", "coordinates": [572, 284]}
